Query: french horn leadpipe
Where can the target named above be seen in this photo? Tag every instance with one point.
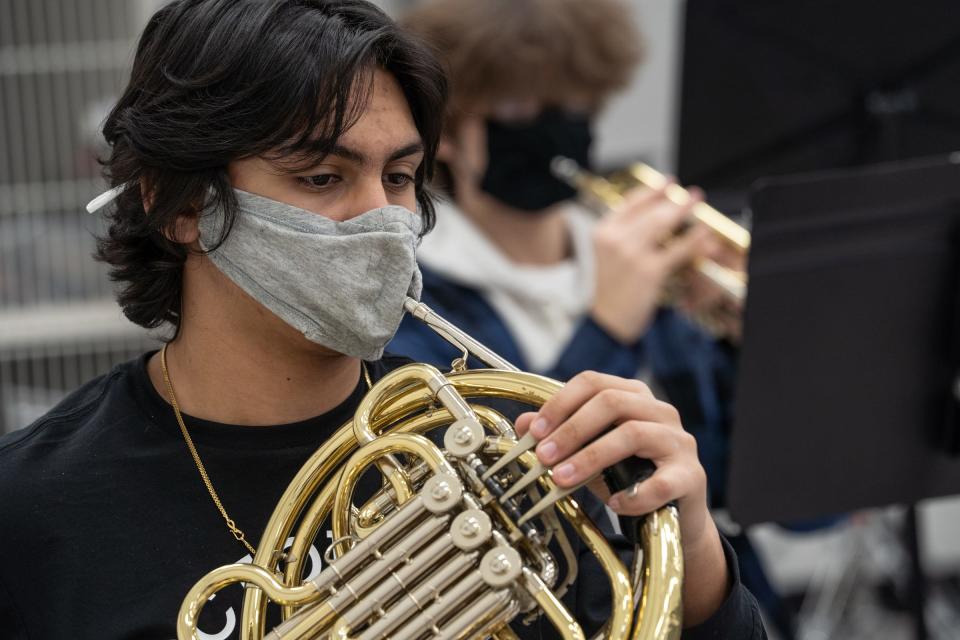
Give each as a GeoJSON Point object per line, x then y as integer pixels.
{"type": "Point", "coordinates": [439, 551]}
{"type": "Point", "coordinates": [602, 195]}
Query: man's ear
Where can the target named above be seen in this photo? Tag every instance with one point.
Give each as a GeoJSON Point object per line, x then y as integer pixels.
{"type": "Point", "coordinates": [467, 148]}
{"type": "Point", "coordinates": [186, 229]}
{"type": "Point", "coordinates": [447, 149]}
{"type": "Point", "coordinates": [146, 194]}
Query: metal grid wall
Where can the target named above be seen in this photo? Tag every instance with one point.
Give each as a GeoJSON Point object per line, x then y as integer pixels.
{"type": "Point", "coordinates": [62, 64]}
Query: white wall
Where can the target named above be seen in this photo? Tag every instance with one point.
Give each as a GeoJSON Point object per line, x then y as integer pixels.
{"type": "Point", "coordinates": [640, 123]}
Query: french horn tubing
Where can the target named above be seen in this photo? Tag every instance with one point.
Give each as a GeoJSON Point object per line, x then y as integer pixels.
{"type": "Point", "coordinates": [443, 549]}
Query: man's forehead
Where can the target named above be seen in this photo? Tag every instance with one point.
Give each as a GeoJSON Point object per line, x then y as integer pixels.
{"type": "Point", "coordinates": [382, 128]}
{"type": "Point", "coordinates": [385, 126]}
{"type": "Point", "coordinates": [379, 136]}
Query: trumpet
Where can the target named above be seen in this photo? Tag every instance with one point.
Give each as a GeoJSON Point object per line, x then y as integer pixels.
{"type": "Point", "coordinates": [601, 194]}
{"type": "Point", "coordinates": [457, 542]}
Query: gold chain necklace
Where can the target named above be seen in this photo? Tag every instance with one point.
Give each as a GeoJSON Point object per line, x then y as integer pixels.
{"type": "Point", "coordinates": [231, 525]}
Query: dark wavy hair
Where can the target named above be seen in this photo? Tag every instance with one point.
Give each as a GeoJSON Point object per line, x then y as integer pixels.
{"type": "Point", "coordinates": [214, 81]}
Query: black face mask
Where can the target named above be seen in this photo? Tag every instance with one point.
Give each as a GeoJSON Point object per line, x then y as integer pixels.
{"type": "Point", "coordinates": [518, 158]}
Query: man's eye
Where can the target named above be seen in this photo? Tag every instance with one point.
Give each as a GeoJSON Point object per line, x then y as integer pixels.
{"type": "Point", "coordinates": [399, 180]}
{"type": "Point", "coordinates": [318, 181]}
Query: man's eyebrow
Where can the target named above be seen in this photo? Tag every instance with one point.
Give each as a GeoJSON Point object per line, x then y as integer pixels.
{"type": "Point", "coordinates": [356, 156]}
{"type": "Point", "coordinates": [408, 150]}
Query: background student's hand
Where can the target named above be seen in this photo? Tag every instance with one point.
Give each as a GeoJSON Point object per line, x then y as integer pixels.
{"type": "Point", "coordinates": [697, 296]}
{"type": "Point", "coordinates": [636, 252]}
{"type": "Point", "coordinates": [597, 420]}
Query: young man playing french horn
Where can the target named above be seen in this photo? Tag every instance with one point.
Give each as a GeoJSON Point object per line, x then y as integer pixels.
{"type": "Point", "coordinates": [267, 159]}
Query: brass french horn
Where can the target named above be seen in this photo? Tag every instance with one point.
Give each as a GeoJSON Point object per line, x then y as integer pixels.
{"type": "Point", "coordinates": [457, 542]}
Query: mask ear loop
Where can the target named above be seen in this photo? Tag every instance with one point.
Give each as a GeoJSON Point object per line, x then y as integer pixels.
{"type": "Point", "coordinates": [105, 198]}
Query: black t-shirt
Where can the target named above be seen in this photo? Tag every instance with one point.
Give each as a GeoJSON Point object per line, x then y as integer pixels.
{"type": "Point", "coordinates": [105, 523]}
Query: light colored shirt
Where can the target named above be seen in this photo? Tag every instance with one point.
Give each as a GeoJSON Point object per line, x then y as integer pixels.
{"type": "Point", "coordinates": [539, 304]}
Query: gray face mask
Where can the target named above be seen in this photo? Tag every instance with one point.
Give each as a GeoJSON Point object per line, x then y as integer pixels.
{"type": "Point", "coordinates": [341, 284]}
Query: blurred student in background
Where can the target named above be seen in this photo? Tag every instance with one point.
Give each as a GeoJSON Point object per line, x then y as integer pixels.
{"type": "Point", "coordinates": [518, 264]}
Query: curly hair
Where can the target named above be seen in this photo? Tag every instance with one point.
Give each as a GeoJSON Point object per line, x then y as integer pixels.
{"type": "Point", "coordinates": [215, 81]}
{"type": "Point", "coordinates": [548, 49]}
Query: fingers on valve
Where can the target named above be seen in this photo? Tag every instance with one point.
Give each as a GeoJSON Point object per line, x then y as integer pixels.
{"type": "Point", "coordinates": [594, 406]}
{"type": "Point", "coordinates": [651, 440]}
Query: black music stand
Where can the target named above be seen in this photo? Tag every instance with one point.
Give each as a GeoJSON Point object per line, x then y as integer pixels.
{"type": "Point", "coordinates": [848, 392]}
{"type": "Point", "coordinates": [771, 88]}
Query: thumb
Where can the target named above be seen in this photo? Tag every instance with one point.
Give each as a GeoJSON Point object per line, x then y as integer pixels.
{"type": "Point", "coordinates": [522, 425]}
